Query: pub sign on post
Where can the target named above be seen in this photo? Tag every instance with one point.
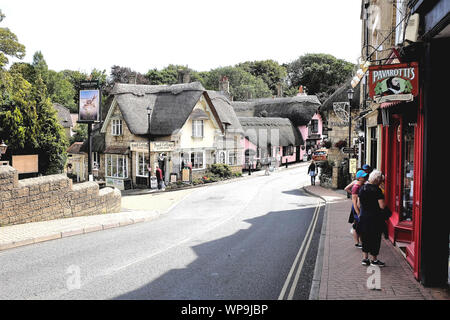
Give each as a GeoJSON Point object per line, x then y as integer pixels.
{"type": "Point", "coordinates": [89, 102]}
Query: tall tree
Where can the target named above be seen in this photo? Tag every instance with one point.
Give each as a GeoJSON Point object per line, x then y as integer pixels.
{"type": "Point", "coordinates": [9, 45]}
{"type": "Point", "coordinates": [320, 73]}
{"type": "Point", "coordinates": [272, 73]}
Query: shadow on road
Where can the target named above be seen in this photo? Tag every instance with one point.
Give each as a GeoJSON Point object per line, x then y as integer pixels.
{"type": "Point", "coordinates": [252, 263]}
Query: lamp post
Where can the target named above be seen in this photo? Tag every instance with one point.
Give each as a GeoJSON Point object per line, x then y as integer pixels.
{"type": "Point", "coordinates": [149, 112]}
{"type": "Point", "coordinates": [350, 98]}
{"type": "Point", "coordinates": [3, 148]}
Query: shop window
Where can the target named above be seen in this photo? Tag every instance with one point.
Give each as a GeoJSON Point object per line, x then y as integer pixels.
{"type": "Point", "coordinates": [197, 160]}
{"type": "Point", "coordinates": [408, 172]}
{"type": "Point", "coordinates": [116, 166]}
{"type": "Point", "coordinates": [373, 147]}
{"type": "Point", "coordinates": [141, 165]}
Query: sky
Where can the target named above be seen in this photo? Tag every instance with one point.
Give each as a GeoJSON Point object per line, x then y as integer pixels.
{"type": "Point", "coordinates": [201, 34]}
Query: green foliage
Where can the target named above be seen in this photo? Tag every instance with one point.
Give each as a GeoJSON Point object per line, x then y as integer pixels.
{"type": "Point", "coordinates": [243, 85]}
{"type": "Point", "coordinates": [81, 133]}
{"type": "Point", "coordinates": [319, 73]}
{"type": "Point", "coordinates": [267, 70]}
{"type": "Point", "coordinates": [221, 170]}
{"type": "Point", "coordinates": [9, 45]}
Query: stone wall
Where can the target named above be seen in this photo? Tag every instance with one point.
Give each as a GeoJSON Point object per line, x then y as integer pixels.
{"type": "Point", "coordinates": [51, 197]}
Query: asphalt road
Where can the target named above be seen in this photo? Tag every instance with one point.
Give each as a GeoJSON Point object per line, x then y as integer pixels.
{"type": "Point", "coordinates": [239, 240]}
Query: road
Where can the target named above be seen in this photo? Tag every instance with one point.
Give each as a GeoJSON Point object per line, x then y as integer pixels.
{"type": "Point", "coordinates": [252, 239]}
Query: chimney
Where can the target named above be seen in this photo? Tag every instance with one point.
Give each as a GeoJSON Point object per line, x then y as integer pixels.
{"type": "Point", "coordinates": [224, 87]}
{"type": "Point", "coordinates": [301, 92]}
{"type": "Point", "coordinates": [184, 76]}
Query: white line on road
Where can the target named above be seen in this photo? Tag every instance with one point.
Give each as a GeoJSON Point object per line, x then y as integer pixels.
{"type": "Point", "coordinates": [291, 271]}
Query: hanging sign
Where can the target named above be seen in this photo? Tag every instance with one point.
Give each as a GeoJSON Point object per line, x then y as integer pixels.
{"type": "Point", "coordinates": [89, 102]}
{"type": "Point", "coordinates": [394, 82]}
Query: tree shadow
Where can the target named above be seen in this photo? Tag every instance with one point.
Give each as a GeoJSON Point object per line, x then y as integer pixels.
{"type": "Point", "coordinates": [249, 264]}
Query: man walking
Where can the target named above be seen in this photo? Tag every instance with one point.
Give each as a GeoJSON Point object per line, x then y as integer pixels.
{"type": "Point", "coordinates": [312, 171]}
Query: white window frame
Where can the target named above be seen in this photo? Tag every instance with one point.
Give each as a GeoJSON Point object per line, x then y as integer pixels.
{"type": "Point", "coordinates": [193, 160]}
{"type": "Point", "coordinates": [197, 128]}
{"type": "Point", "coordinates": [232, 158]}
{"type": "Point", "coordinates": [116, 127]}
{"type": "Point", "coordinates": [222, 154]}
{"type": "Point", "coordinates": [141, 165]}
{"type": "Point", "coordinates": [112, 171]}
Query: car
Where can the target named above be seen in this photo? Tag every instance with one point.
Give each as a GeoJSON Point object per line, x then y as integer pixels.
{"type": "Point", "coordinates": [320, 155]}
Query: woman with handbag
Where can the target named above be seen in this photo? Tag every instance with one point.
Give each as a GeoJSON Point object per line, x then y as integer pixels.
{"type": "Point", "coordinates": [371, 218]}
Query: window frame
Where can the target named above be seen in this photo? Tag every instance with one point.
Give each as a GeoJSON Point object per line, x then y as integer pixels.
{"type": "Point", "coordinates": [116, 127]}
{"type": "Point", "coordinates": [141, 167]}
{"type": "Point", "coordinates": [113, 168]}
{"type": "Point", "coordinates": [198, 125]}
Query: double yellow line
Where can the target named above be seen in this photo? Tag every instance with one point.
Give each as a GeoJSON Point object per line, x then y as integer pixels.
{"type": "Point", "coordinates": [301, 253]}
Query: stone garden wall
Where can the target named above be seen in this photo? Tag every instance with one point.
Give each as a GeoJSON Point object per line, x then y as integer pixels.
{"type": "Point", "coordinates": [51, 197]}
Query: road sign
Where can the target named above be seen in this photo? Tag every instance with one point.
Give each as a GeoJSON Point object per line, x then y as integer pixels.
{"type": "Point", "coordinates": [349, 150]}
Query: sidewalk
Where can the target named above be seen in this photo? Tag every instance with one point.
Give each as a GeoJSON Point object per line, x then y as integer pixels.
{"type": "Point", "coordinates": [340, 275]}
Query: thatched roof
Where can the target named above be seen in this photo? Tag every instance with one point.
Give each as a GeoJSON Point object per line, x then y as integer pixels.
{"type": "Point", "coordinates": [298, 109]}
{"type": "Point", "coordinates": [75, 148]}
{"type": "Point", "coordinates": [340, 95]}
{"type": "Point", "coordinates": [281, 130]}
{"type": "Point", "coordinates": [225, 111]}
{"type": "Point", "coordinates": [171, 106]}
{"type": "Point", "coordinates": [64, 118]}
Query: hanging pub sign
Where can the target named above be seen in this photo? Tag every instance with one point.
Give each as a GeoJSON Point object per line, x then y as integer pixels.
{"type": "Point", "coordinates": [89, 102]}
{"type": "Point", "coordinates": [394, 82]}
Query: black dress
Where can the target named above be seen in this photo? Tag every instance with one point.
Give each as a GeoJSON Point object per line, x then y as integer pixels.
{"type": "Point", "coordinates": [371, 220]}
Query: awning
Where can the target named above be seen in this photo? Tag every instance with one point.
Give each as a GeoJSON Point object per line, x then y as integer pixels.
{"type": "Point", "coordinates": [390, 104]}
{"type": "Point", "coordinates": [117, 150]}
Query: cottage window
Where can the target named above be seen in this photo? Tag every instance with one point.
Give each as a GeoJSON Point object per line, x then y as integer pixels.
{"type": "Point", "coordinates": [197, 128]}
{"type": "Point", "coordinates": [197, 160]}
{"type": "Point", "coordinates": [141, 165]}
{"type": "Point", "coordinates": [232, 158]}
{"type": "Point", "coordinates": [95, 160]}
{"type": "Point", "coordinates": [117, 129]}
{"type": "Point", "coordinates": [314, 126]}
{"type": "Point", "coordinates": [116, 166]}
{"type": "Point", "coordinates": [222, 157]}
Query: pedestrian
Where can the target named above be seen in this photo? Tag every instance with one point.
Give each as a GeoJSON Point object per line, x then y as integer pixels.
{"type": "Point", "coordinates": [368, 169]}
{"type": "Point", "coordinates": [371, 218]}
{"type": "Point", "coordinates": [158, 172]}
{"type": "Point", "coordinates": [361, 178]}
{"type": "Point", "coordinates": [312, 172]}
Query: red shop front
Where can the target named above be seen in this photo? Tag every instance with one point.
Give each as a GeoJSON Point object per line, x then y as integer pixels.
{"type": "Point", "coordinates": [402, 157]}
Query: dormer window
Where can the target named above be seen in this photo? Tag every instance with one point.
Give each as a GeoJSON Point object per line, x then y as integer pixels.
{"type": "Point", "coordinates": [117, 128]}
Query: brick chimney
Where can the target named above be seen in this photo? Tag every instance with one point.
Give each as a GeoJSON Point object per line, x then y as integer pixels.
{"type": "Point", "coordinates": [279, 90]}
{"type": "Point", "coordinates": [301, 91]}
{"type": "Point", "coordinates": [224, 87]}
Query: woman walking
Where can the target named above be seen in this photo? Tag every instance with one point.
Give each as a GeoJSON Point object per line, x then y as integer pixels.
{"type": "Point", "coordinates": [312, 171]}
{"type": "Point", "coordinates": [371, 218]}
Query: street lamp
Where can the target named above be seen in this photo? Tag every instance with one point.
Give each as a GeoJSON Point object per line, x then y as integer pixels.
{"type": "Point", "coordinates": [3, 148]}
{"type": "Point", "coordinates": [350, 98]}
{"type": "Point", "coordinates": [149, 112]}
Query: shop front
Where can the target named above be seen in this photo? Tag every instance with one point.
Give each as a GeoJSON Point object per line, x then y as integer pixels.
{"type": "Point", "coordinates": [395, 87]}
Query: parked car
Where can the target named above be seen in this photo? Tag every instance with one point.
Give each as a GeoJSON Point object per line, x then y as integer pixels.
{"type": "Point", "coordinates": [320, 155]}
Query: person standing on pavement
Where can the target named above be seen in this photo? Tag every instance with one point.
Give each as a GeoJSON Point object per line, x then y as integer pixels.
{"type": "Point", "coordinates": [368, 169]}
{"type": "Point", "coordinates": [361, 178]}
{"type": "Point", "coordinates": [371, 218]}
{"type": "Point", "coordinates": [312, 172]}
{"type": "Point", "coordinates": [158, 172]}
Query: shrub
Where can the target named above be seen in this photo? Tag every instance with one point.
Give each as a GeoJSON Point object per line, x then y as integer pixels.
{"type": "Point", "coordinates": [340, 144]}
{"type": "Point", "coordinates": [221, 170]}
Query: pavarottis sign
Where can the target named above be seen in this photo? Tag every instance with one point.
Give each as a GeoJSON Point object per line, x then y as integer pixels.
{"type": "Point", "coordinates": [394, 82]}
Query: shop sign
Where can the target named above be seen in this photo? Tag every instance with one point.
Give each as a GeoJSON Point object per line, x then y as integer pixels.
{"type": "Point", "coordinates": [160, 146]}
{"type": "Point", "coordinates": [352, 165]}
{"type": "Point", "coordinates": [394, 82]}
{"type": "Point", "coordinates": [117, 183]}
{"type": "Point", "coordinates": [139, 146]}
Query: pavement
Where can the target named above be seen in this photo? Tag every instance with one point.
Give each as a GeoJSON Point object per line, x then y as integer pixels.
{"type": "Point", "coordinates": [339, 274]}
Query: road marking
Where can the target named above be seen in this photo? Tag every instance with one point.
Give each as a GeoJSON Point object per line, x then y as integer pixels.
{"type": "Point", "coordinates": [300, 267]}
{"type": "Point", "coordinates": [291, 271]}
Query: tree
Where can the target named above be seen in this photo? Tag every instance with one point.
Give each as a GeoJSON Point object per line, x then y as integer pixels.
{"type": "Point", "coordinates": [320, 73]}
{"type": "Point", "coordinates": [269, 71]}
{"type": "Point", "coordinates": [243, 85]}
{"type": "Point", "coordinates": [9, 45]}
{"type": "Point", "coordinates": [169, 75]}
